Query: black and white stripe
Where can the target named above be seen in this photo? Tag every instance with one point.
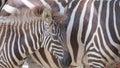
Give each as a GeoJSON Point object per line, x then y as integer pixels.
{"type": "Point", "coordinates": [95, 25]}
{"type": "Point", "coordinates": [48, 61]}
{"type": "Point", "coordinates": [23, 33]}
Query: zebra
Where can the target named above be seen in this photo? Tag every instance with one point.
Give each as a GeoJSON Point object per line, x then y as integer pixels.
{"type": "Point", "coordinates": [46, 60]}
{"type": "Point", "coordinates": [94, 24]}
{"type": "Point", "coordinates": [2, 3]}
{"type": "Point", "coordinates": [25, 32]}
{"type": "Point", "coordinates": [91, 29]}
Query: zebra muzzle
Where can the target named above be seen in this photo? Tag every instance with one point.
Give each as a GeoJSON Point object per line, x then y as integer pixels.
{"type": "Point", "coordinates": [65, 62]}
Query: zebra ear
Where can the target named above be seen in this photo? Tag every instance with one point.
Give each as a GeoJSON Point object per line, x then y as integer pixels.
{"type": "Point", "coordinates": [47, 16]}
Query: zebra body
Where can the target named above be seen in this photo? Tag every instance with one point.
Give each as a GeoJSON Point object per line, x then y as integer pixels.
{"type": "Point", "coordinates": [95, 24]}
{"type": "Point", "coordinates": [93, 27]}
{"type": "Point", "coordinates": [44, 58]}
{"type": "Point", "coordinates": [23, 33]}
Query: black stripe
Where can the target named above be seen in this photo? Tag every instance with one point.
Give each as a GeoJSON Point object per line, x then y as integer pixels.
{"type": "Point", "coordinates": [117, 10]}
{"type": "Point", "coordinates": [111, 25]}
{"type": "Point", "coordinates": [55, 60]}
{"type": "Point", "coordinates": [63, 2]}
{"type": "Point", "coordinates": [86, 21]}
{"type": "Point", "coordinates": [36, 57]}
{"type": "Point", "coordinates": [11, 41]}
{"type": "Point", "coordinates": [42, 52]}
{"type": "Point", "coordinates": [94, 25]}
{"type": "Point", "coordinates": [96, 61]}
{"type": "Point", "coordinates": [5, 50]}
{"type": "Point", "coordinates": [22, 41]}
{"type": "Point", "coordinates": [96, 44]}
{"type": "Point", "coordinates": [106, 40]}
{"type": "Point", "coordinates": [16, 48]}
{"type": "Point", "coordinates": [73, 38]}
{"type": "Point", "coordinates": [8, 50]}
{"type": "Point", "coordinates": [103, 24]}
{"type": "Point", "coordinates": [21, 37]}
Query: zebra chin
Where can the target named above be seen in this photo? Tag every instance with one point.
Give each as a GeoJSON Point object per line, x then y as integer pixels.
{"type": "Point", "coordinates": [66, 60]}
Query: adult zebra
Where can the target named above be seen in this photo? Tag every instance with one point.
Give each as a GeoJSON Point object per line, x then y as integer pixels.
{"type": "Point", "coordinates": [25, 32]}
{"type": "Point", "coordinates": [95, 24]}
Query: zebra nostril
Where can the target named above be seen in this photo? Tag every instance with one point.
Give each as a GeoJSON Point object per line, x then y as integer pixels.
{"type": "Point", "coordinates": [65, 62]}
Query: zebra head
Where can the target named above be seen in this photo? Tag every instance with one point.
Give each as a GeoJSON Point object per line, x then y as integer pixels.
{"type": "Point", "coordinates": [54, 39]}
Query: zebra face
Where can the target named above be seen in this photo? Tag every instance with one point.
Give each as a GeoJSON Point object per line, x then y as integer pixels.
{"type": "Point", "coordinates": [55, 41]}
{"type": "Point", "coordinates": [60, 50]}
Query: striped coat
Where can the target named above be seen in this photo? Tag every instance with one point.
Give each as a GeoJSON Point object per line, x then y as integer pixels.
{"type": "Point", "coordinates": [93, 27]}
{"type": "Point", "coordinates": [23, 33]}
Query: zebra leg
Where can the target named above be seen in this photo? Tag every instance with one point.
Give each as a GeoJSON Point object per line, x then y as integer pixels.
{"type": "Point", "coordinates": [95, 63]}
{"type": "Point", "coordinates": [94, 57]}
{"type": "Point", "coordinates": [95, 60]}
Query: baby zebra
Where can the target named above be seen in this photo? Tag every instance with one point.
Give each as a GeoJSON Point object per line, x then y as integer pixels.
{"type": "Point", "coordinates": [23, 33]}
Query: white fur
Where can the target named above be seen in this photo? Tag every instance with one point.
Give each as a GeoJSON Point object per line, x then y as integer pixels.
{"type": "Point", "coordinates": [9, 9]}
{"type": "Point", "coordinates": [28, 4]}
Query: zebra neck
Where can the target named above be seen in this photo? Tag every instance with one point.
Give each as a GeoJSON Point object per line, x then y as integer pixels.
{"type": "Point", "coordinates": [26, 34]}
{"type": "Point", "coordinates": [33, 35]}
